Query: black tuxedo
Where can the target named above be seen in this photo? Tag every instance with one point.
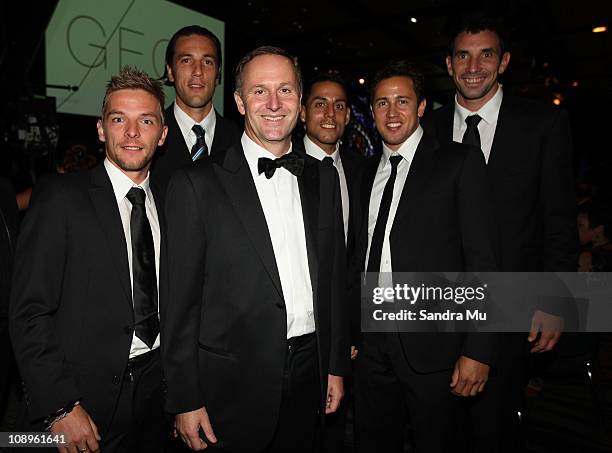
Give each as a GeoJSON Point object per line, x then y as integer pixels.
{"type": "Point", "coordinates": [174, 154]}
{"type": "Point", "coordinates": [440, 225]}
{"type": "Point", "coordinates": [531, 188]}
{"type": "Point", "coordinates": [224, 323]}
{"type": "Point", "coordinates": [71, 313]}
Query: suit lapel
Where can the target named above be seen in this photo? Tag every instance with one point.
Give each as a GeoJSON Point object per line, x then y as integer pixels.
{"type": "Point", "coordinates": [309, 188]}
{"type": "Point", "coordinates": [501, 151]}
{"type": "Point", "coordinates": [362, 217]}
{"type": "Point", "coordinates": [421, 168]}
{"type": "Point", "coordinates": [105, 205]}
{"type": "Point", "coordinates": [177, 147]}
{"type": "Point", "coordinates": [222, 138]}
{"type": "Point", "coordinates": [240, 187]}
{"type": "Point", "coordinates": [446, 125]}
{"type": "Point", "coordinates": [349, 165]}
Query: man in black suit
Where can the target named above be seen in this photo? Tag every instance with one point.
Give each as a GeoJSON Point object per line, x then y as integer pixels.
{"type": "Point", "coordinates": [423, 209]}
{"type": "Point", "coordinates": [528, 149]}
{"type": "Point", "coordinates": [254, 325]}
{"type": "Point", "coordinates": [83, 315]}
{"type": "Point", "coordinates": [195, 129]}
{"type": "Point", "coordinates": [325, 113]}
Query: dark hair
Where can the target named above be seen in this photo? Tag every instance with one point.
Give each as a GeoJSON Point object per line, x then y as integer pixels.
{"type": "Point", "coordinates": [323, 77]}
{"type": "Point", "coordinates": [265, 50]}
{"type": "Point", "coordinates": [400, 68]}
{"type": "Point", "coordinates": [473, 23]}
{"type": "Point", "coordinates": [191, 30]}
{"type": "Point", "coordinates": [134, 79]}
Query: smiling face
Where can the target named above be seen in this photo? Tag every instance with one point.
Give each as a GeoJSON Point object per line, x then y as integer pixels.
{"type": "Point", "coordinates": [132, 128]}
{"type": "Point", "coordinates": [396, 110]}
{"type": "Point", "coordinates": [475, 66]}
{"type": "Point", "coordinates": [325, 114]}
{"type": "Point", "coordinates": [195, 73]}
{"type": "Point", "coordinates": [269, 99]}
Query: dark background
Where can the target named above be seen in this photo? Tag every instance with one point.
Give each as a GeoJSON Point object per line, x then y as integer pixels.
{"type": "Point", "coordinates": [554, 55]}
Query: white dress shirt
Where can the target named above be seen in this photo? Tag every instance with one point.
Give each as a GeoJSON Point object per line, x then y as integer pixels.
{"type": "Point", "coordinates": [486, 127]}
{"type": "Point", "coordinates": [121, 186]}
{"type": "Point", "coordinates": [280, 200]}
{"type": "Point", "coordinates": [316, 152]}
{"type": "Point", "coordinates": [407, 150]}
{"type": "Point", "coordinates": [186, 123]}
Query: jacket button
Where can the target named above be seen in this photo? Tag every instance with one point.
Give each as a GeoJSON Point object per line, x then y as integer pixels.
{"type": "Point", "coordinates": [127, 330]}
{"type": "Point", "coordinates": [116, 380]}
{"type": "Point", "coordinates": [281, 306]}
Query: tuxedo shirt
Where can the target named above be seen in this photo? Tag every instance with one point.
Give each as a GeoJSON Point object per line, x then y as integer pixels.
{"type": "Point", "coordinates": [280, 200]}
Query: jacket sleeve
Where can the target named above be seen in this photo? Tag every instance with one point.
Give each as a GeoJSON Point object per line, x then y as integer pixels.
{"type": "Point", "coordinates": [182, 297]}
{"type": "Point", "coordinates": [557, 197]}
{"type": "Point", "coordinates": [36, 298]}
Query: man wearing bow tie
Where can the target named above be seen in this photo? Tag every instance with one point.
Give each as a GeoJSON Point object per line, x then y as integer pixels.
{"type": "Point", "coordinates": [255, 335]}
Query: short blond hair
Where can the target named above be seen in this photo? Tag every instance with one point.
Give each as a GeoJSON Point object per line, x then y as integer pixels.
{"type": "Point", "coordinates": [131, 78]}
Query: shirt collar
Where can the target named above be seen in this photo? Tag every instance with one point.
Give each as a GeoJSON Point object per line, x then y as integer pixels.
{"type": "Point", "coordinates": [407, 149]}
{"type": "Point", "coordinates": [488, 112]}
{"type": "Point", "coordinates": [185, 122]}
{"type": "Point", "coordinates": [253, 151]}
{"type": "Point", "coordinates": [122, 183]}
{"type": "Point", "coordinates": [314, 150]}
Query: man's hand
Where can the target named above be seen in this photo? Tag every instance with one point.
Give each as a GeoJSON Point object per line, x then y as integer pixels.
{"type": "Point", "coordinates": [335, 392]}
{"type": "Point", "coordinates": [550, 328]}
{"type": "Point", "coordinates": [81, 432]}
{"type": "Point", "coordinates": [469, 377]}
{"type": "Point", "coordinates": [188, 426]}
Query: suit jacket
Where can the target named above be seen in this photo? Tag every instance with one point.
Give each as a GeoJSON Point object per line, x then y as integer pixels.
{"type": "Point", "coordinates": [71, 306]}
{"type": "Point", "coordinates": [174, 154]}
{"type": "Point", "coordinates": [440, 226]}
{"type": "Point", "coordinates": [224, 323]}
{"type": "Point", "coordinates": [530, 182]}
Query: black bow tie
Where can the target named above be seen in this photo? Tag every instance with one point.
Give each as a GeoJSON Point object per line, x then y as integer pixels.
{"type": "Point", "coordinates": [290, 161]}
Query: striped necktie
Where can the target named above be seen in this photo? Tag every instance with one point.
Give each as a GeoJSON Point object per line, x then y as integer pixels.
{"type": "Point", "coordinates": [199, 148]}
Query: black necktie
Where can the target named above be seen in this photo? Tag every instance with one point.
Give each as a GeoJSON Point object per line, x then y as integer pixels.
{"type": "Point", "coordinates": [144, 284]}
{"type": "Point", "coordinates": [199, 149]}
{"type": "Point", "coordinates": [381, 220]}
{"type": "Point", "coordinates": [290, 161]}
{"type": "Point", "coordinates": [327, 161]}
{"type": "Point", "coordinates": [471, 135]}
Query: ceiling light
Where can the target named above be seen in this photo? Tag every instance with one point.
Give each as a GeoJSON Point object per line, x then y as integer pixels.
{"type": "Point", "coordinates": [575, 83]}
{"type": "Point", "coordinates": [557, 101]}
{"type": "Point", "coordinates": [361, 81]}
{"type": "Point", "coordinates": [600, 29]}
{"type": "Point", "coordinates": [413, 20]}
